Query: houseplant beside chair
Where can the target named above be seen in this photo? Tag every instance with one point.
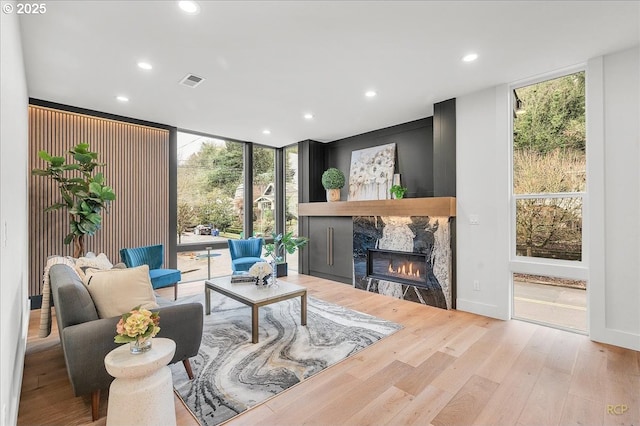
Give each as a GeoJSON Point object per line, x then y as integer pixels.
{"type": "Point", "coordinates": [154, 257]}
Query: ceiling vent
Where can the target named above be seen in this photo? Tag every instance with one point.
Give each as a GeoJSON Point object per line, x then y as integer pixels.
{"type": "Point", "coordinates": [191, 80]}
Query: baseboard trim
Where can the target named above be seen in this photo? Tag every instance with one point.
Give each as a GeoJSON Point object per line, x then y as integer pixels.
{"type": "Point", "coordinates": [478, 308]}
{"type": "Point", "coordinates": [615, 337]}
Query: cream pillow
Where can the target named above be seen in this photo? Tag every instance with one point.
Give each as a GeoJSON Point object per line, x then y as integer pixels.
{"type": "Point", "coordinates": [100, 261]}
{"type": "Point", "coordinates": [116, 291]}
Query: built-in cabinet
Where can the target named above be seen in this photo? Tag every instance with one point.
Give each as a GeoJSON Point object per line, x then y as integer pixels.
{"type": "Point", "coordinates": [331, 245]}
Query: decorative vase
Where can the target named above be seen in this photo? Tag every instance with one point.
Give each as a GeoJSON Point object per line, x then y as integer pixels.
{"type": "Point", "coordinates": [264, 281]}
{"type": "Point", "coordinates": [140, 346]}
{"type": "Point", "coordinates": [333, 194]}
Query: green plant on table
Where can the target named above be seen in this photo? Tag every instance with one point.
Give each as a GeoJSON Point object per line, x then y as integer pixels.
{"type": "Point", "coordinates": [283, 244]}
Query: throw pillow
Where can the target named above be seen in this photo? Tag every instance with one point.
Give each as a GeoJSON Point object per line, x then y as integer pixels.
{"type": "Point", "coordinates": [116, 291]}
{"type": "Point", "coordinates": [100, 261]}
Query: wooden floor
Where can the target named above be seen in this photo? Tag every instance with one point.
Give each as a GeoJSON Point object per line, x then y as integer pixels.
{"type": "Point", "coordinates": [442, 368]}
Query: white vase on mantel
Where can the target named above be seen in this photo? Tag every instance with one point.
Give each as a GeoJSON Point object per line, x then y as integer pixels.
{"type": "Point", "coordinates": [395, 181]}
{"type": "Point", "coordinates": [333, 194]}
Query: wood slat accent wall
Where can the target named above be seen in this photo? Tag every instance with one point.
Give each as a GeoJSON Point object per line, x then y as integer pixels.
{"type": "Point", "coordinates": [137, 167]}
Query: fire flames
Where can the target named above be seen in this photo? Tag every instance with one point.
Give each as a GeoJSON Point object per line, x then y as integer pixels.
{"type": "Point", "coordinates": [404, 270]}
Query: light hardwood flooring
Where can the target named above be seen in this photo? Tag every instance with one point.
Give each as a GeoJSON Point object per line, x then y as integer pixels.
{"type": "Point", "coordinates": [442, 368]}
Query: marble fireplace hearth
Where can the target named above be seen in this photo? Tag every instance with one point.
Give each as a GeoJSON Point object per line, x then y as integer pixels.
{"type": "Point", "coordinates": [427, 236]}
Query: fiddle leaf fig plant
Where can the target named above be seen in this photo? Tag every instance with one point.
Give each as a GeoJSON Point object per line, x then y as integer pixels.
{"type": "Point", "coordinates": [84, 192]}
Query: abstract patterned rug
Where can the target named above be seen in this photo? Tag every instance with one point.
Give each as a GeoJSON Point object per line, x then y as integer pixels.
{"type": "Point", "coordinates": [232, 374]}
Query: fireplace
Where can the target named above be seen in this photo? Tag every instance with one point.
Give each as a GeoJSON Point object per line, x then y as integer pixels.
{"type": "Point", "coordinates": [397, 266]}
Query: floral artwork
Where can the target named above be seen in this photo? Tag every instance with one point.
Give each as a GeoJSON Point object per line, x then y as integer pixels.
{"type": "Point", "coordinates": [371, 174]}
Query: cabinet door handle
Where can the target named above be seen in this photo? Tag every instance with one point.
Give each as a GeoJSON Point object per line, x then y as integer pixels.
{"type": "Point", "coordinates": [328, 245]}
{"type": "Point", "coordinates": [331, 246]}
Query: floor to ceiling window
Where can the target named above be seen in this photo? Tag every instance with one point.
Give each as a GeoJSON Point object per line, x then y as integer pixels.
{"type": "Point", "coordinates": [291, 202]}
{"type": "Point", "coordinates": [210, 200]}
{"type": "Point", "coordinates": [548, 200]}
{"type": "Point", "coordinates": [264, 191]}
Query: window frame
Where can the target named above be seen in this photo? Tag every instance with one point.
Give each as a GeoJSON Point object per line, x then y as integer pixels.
{"type": "Point", "coordinates": [571, 269]}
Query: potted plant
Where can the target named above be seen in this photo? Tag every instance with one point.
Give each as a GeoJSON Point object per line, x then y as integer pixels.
{"type": "Point", "coordinates": [281, 245]}
{"type": "Point", "coordinates": [84, 192]}
{"type": "Point", "coordinates": [333, 181]}
{"type": "Point", "coordinates": [397, 191]}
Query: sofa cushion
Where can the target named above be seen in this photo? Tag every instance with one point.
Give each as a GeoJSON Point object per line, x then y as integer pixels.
{"type": "Point", "coordinates": [117, 291]}
{"type": "Point", "coordinates": [72, 300]}
{"type": "Point", "coordinates": [161, 278]}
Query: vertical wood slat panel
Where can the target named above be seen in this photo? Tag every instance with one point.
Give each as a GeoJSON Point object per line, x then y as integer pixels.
{"type": "Point", "coordinates": [136, 166]}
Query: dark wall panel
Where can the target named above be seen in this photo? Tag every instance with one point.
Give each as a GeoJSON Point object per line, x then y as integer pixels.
{"type": "Point", "coordinates": [414, 158]}
{"type": "Point", "coordinates": [444, 148]}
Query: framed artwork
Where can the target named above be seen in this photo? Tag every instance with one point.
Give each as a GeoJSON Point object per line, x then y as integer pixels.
{"type": "Point", "coordinates": [371, 174]}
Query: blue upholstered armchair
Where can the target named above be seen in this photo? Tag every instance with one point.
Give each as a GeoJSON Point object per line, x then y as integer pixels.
{"type": "Point", "coordinates": [154, 257]}
{"type": "Point", "coordinates": [244, 253]}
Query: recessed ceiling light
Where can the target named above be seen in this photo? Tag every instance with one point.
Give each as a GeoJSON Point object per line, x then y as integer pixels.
{"type": "Point", "coordinates": [370, 94]}
{"type": "Point", "coordinates": [470, 57]}
{"type": "Point", "coordinates": [266, 132]}
{"type": "Point", "coordinates": [122, 98]}
{"type": "Point", "coordinates": [308, 116]}
{"type": "Point", "coordinates": [190, 7]}
{"type": "Point", "coordinates": [145, 65]}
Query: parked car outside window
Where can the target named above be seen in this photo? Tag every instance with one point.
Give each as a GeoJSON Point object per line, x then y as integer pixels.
{"type": "Point", "coordinates": [202, 230]}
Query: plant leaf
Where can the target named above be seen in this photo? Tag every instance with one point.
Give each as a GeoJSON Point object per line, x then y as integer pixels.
{"type": "Point", "coordinates": [45, 156]}
{"type": "Point", "coordinates": [55, 206]}
{"type": "Point", "coordinates": [82, 158]}
{"type": "Point", "coordinates": [57, 161]}
{"type": "Point", "coordinates": [69, 238]}
{"type": "Point", "coordinates": [98, 178]}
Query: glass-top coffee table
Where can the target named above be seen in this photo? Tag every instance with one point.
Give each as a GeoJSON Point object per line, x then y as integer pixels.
{"type": "Point", "coordinates": [255, 296]}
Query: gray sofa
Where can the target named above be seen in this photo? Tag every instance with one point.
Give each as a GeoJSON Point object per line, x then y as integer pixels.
{"type": "Point", "coordinates": [87, 339]}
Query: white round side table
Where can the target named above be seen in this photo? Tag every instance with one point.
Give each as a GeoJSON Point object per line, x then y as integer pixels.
{"type": "Point", "coordinates": [142, 392]}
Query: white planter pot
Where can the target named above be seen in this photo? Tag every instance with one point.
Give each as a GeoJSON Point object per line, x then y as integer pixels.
{"type": "Point", "coordinates": [333, 194]}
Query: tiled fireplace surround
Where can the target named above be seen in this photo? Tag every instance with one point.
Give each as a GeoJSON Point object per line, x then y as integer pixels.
{"type": "Point", "coordinates": [410, 234]}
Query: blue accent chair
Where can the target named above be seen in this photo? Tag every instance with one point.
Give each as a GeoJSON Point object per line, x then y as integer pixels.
{"type": "Point", "coordinates": [244, 253]}
{"type": "Point", "coordinates": [154, 257]}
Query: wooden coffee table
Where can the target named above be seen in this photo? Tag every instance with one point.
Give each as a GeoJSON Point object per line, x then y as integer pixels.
{"type": "Point", "coordinates": [254, 296]}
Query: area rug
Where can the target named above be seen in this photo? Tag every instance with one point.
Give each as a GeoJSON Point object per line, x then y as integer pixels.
{"type": "Point", "coordinates": [232, 374]}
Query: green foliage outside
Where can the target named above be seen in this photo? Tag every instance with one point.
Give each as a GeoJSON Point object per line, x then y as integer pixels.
{"type": "Point", "coordinates": [549, 158]}
{"type": "Point", "coordinates": [208, 181]}
{"type": "Point", "coordinates": [553, 116]}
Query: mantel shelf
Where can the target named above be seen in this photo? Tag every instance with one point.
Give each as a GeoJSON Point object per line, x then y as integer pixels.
{"type": "Point", "coordinates": [430, 206]}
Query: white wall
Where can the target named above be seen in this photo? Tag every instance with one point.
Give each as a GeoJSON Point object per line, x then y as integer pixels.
{"type": "Point", "coordinates": [482, 164]}
{"type": "Point", "coordinates": [14, 311]}
{"type": "Point", "coordinates": [613, 161]}
{"type": "Point", "coordinates": [613, 114]}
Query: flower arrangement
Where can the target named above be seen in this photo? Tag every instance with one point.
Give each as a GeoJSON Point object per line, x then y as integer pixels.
{"type": "Point", "coordinates": [138, 324]}
{"type": "Point", "coordinates": [260, 270]}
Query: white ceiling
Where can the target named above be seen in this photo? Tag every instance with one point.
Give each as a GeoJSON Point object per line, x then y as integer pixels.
{"type": "Point", "coordinates": [267, 63]}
